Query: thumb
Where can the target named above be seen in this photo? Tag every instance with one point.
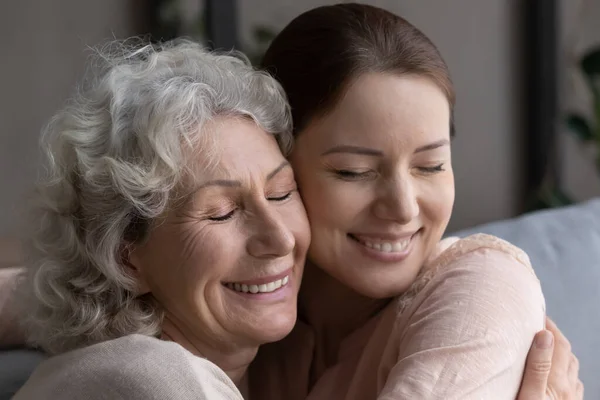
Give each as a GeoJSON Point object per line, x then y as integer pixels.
{"type": "Point", "coordinates": [537, 367]}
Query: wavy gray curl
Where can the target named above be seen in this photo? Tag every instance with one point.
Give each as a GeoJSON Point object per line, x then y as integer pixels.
{"type": "Point", "coordinates": [115, 156]}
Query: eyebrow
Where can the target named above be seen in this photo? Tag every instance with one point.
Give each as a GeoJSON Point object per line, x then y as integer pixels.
{"type": "Point", "coordinates": [354, 150]}
{"type": "Point", "coordinates": [378, 153]}
{"type": "Point", "coordinates": [234, 183]}
{"type": "Point", "coordinates": [433, 146]}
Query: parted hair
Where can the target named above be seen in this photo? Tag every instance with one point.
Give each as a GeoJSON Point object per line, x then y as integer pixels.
{"type": "Point", "coordinates": [318, 55]}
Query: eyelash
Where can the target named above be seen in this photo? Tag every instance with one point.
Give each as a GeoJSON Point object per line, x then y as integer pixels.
{"type": "Point", "coordinates": [281, 198]}
{"type": "Point", "coordinates": [351, 175]}
{"type": "Point", "coordinates": [229, 215]}
{"type": "Point", "coordinates": [223, 217]}
{"type": "Point", "coordinates": [433, 170]}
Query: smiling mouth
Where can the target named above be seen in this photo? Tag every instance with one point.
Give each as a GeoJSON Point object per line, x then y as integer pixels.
{"type": "Point", "coordinates": [389, 246]}
{"type": "Point", "coordinates": [267, 287]}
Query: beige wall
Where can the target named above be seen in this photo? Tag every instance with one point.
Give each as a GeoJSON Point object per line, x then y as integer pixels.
{"type": "Point", "coordinates": [42, 57]}
{"type": "Point", "coordinates": [478, 39]}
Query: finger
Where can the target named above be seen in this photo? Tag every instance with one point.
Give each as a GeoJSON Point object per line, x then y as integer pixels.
{"type": "Point", "coordinates": [573, 373]}
{"type": "Point", "coordinates": [561, 359]}
{"type": "Point", "coordinates": [537, 367]}
{"type": "Point", "coordinates": [580, 390]}
{"type": "Point", "coordinates": [557, 333]}
{"type": "Point", "coordinates": [565, 366]}
{"type": "Point", "coordinates": [551, 326]}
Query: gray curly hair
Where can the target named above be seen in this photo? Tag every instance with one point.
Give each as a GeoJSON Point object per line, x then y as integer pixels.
{"type": "Point", "coordinates": [116, 154]}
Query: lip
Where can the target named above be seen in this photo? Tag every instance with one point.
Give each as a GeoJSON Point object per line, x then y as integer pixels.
{"type": "Point", "coordinates": [384, 237]}
{"type": "Point", "coordinates": [266, 279]}
{"type": "Point", "coordinates": [381, 256]}
{"type": "Point", "coordinates": [281, 294]}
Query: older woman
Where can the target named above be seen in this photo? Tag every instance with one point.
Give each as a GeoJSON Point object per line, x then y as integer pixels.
{"type": "Point", "coordinates": [170, 237]}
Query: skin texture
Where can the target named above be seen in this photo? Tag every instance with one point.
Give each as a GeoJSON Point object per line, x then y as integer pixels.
{"type": "Point", "coordinates": [244, 221]}
{"type": "Point", "coordinates": [366, 172]}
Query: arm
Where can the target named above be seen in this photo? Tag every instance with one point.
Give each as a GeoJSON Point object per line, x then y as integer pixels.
{"type": "Point", "coordinates": [469, 330]}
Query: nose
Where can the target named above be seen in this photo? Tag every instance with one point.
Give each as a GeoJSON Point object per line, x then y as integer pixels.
{"type": "Point", "coordinates": [270, 236]}
{"type": "Point", "coordinates": [398, 201]}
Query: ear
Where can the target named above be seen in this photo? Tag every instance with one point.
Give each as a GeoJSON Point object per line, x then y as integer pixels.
{"type": "Point", "coordinates": [133, 264]}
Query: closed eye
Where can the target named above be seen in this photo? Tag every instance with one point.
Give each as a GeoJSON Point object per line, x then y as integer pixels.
{"type": "Point", "coordinates": [433, 170]}
{"type": "Point", "coordinates": [280, 198]}
{"type": "Point", "coordinates": [223, 217]}
{"type": "Point", "coordinates": [351, 175]}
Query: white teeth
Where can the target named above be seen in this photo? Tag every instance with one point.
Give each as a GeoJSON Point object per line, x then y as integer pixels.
{"type": "Point", "coordinates": [388, 247]}
{"type": "Point", "coordinates": [263, 288]}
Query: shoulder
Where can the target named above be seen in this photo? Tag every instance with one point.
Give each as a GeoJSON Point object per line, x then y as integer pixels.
{"type": "Point", "coordinates": [481, 270]}
{"type": "Point", "coordinates": [134, 366]}
{"type": "Point", "coordinates": [477, 244]}
{"type": "Point", "coordinates": [467, 323]}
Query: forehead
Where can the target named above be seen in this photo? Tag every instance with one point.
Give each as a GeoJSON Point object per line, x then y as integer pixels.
{"type": "Point", "coordinates": [386, 107]}
{"type": "Point", "coordinates": [234, 146]}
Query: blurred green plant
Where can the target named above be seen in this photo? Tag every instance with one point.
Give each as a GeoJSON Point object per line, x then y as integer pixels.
{"type": "Point", "coordinates": [262, 36]}
{"type": "Point", "coordinates": [549, 195]}
{"type": "Point", "coordinates": [587, 128]}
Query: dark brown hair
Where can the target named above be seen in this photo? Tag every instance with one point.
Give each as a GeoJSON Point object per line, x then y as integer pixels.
{"type": "Point", "coordinates": [323, 50]}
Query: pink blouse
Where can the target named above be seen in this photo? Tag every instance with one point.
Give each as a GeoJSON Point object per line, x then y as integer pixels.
{"type": "Point", "coordinates": [462, 331]}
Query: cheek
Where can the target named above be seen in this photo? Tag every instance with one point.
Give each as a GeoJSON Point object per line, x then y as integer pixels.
{"type": "Point", "coordinates": [295, 218]}
{"type": "Point", "coordinates": [437, 201]}
{"type": "Point", "coordinates": [184, 259]}
{"type": "Point", "coordinates": [334, 205]}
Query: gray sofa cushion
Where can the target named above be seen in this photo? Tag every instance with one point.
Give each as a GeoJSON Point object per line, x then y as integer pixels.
{"type": "Point", "coordinates": [15, 367]}
{"type": "Point", "coordinates": [564, 247]}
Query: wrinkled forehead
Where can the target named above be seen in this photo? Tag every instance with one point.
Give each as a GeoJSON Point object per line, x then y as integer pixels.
{"type": "Point", "coordinates": [231, 148]}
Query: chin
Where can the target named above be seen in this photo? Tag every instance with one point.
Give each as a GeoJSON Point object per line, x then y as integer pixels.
{"type": "Point", "coordinates": [274, 326]}
{"type": "Point", "coordinates": [382, 284]}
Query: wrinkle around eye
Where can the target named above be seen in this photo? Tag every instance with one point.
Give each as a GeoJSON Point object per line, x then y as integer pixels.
{"type": "Point", "coordinates": [192, 236]}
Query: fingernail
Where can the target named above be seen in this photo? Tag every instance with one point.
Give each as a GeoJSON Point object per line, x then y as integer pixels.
{"type": "Point", "coordinates": [544, 340]}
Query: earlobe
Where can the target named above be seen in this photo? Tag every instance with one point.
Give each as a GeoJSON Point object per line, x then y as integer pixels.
{"type": "Point", "coordinates": [132, 264]}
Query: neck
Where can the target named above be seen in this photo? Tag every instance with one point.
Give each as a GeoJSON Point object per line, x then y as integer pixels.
{"type": "Point", "coordinates": [233, 360]}
{"type": "Point", "coordinates": [333, 310]}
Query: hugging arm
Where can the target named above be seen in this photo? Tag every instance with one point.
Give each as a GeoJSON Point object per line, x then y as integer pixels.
{"type": "Point", "coordinates": [469, 330]}
{"type": "Point", "coordinates": [544, 370]}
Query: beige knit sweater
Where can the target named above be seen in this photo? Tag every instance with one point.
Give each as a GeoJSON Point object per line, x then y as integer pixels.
{"type": "Point", "coordinates": [132, 367]}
